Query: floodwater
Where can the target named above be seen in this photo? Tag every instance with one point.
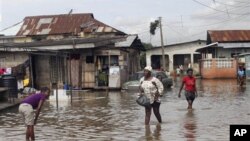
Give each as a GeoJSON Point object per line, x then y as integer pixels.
{"type": "Point", "coordinates": [101, 116]}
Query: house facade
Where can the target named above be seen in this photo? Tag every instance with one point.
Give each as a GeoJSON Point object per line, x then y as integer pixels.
{"type": "Point", "coordinates": [75, 49]}
{"type": "Point", "coordinates": [176, 54]}
{"type": "Point", "coordinates": [219, 55]}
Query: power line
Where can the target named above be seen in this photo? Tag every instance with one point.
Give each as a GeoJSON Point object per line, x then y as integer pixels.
{"type": "Point", "coordinates": [199, 26]}
{"type": "Point", "coordinates": [220, 22]}
{"type": "Point", "coordinates": [175, 30]}
{"type": "Point", "coordinates": [241, 2]}
{"type": "Point", "coordinates": [11, 26]}
{"type": "Point", "coordinates": [218, 9]}
{"type": "Point", "coordinates": [231, 5]}
{"type": "Point", "coordinates": [235, 8]}
{"type": "Point", "coordinates": [227, 12]}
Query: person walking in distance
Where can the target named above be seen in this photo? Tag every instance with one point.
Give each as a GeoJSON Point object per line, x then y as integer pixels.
{"type": "Point", "coordinates": [241, 75]}
{"type": "Point", "coordinates": [190, 87]}
{"type": "Point", "coordinates": [27, 107]}
{"type": "Point", "coordinates": [153, 89]}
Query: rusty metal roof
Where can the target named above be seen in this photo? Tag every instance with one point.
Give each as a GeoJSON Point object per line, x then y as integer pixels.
{"type": "Point", "coordinates": [228, 36]}
{"type": "Point", "coordinates": [64, 24]}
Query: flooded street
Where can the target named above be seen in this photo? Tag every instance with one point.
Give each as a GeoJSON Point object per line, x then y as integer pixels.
{"type": "Point", "coordinates": [116, 116]}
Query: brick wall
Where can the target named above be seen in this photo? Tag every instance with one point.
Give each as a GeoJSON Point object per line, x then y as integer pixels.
{"type": "Point", "coordinates": [219, 68]}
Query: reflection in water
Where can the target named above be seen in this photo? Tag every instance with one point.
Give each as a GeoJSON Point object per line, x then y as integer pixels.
{"type": "Point", "coordinates": [242, 90]}
{"type": "Point", "coordinates": [157, 132]}
{"type": "Point", "coordinates": [148, 134]}
{"type": "Point", "coordinates": [116, 116]}
{"type": "Point", "coordinates": [190, 125]}
{"type": "Point", "coordinates": [156, 135]}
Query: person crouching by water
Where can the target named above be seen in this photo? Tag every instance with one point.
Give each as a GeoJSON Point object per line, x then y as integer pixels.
{"type": "Point", "coordinates": [27, 107]}
{"type": "Point", "coordinates": [153, 89]}
{"type": "Point", "coordinates": [190, 87]}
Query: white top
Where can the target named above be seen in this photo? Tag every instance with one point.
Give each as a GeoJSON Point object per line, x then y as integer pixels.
{"type": "Point", "coordinates": [150, 89]}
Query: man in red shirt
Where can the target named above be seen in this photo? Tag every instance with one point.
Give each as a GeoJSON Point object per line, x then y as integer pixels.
{"type": "Point", "coordinates": [190, 87]}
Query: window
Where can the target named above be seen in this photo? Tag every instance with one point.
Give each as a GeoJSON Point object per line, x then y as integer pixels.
{"type": "Point", "coordinates": [114, 60]}
{"type": "Point", "coordinates": [197, 57]}
{"type": "Point", "coordinates": [89, 59]}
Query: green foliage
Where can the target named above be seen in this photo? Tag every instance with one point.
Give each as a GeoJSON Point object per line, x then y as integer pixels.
{"type": "Point", "coordinates": [153, 26]}
{"type": "Point", "coordinates": [147, 45]}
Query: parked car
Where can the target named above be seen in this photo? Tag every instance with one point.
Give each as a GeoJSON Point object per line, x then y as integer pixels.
{"type": "Point", "coordinates": [133, 83]}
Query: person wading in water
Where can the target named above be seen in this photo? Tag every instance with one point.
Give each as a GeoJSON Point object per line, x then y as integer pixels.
{"type": "Point", "coordinates": [190, 87]}
{"type": "Point", "coordinates": [153, 89]}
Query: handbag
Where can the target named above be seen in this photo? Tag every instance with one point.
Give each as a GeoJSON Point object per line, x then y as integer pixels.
{"type": "Point", "coordinates": [143, 101]}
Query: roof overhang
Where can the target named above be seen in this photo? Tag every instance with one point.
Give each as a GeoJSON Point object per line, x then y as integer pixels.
{"type": "Point", "coordinates": [242, 55]}
{"type": "Point", "coordinates": [126, 43]}
{"type": "Point", "coordinates": [215, 44]}
{"type": "Point", "coordinates": [117, 42]}
{"type": "Point", "coordinates": [11, 48]}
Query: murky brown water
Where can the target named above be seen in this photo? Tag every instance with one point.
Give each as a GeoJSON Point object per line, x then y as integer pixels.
{"type": "Point", "coordinates": [116, 116]}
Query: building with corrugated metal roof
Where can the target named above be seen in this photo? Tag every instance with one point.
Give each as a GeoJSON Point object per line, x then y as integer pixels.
{"type": "Point", "coordinates": [72, 49]}
{"type": "Point", "coordinates": [218, 59]}
{"type": "Point", "coordinates": [66, 25]}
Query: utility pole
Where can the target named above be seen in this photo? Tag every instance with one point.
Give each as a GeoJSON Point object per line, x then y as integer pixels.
{"type": "Point", "coordinates": [162, 46]}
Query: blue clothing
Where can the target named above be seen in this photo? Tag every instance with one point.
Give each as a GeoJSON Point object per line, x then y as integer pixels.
{"type": "Point", "coordinates": [241, 73]}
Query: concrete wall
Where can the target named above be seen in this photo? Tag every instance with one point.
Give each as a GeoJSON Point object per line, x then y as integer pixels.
{"type": "Point", "coordinates": [213, 71]}
{"type": "Point", "coordinates": [11, 59]}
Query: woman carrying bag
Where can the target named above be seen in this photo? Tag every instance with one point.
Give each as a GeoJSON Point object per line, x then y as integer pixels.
{"type": "Point", "coordinates": [152, 88]}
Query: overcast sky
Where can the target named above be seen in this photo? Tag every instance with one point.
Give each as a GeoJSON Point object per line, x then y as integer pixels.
{"type": "Point", "coordinates": [182, 20]}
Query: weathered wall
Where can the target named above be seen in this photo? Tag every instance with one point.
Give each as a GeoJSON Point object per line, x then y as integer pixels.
{"type": "Point", "coordinates": [88, 70]}
{"type": "Point", "coordinates": [74, 72]}
{"type": "Point", "coordinates": [214, 72]}
{"type": "Point", "coordinates": [11, 59]}
{"type": "Point", "coordinates": [128, 62]}
{"type": "Point", "coordinates": [42, 71]}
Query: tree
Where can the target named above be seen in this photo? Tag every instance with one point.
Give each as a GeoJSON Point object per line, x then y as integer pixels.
{"type": "Point", "coordinates": [153, 26]}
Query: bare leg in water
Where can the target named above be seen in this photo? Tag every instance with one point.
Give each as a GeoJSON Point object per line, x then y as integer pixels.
{"type": "Point", "coordinates": [190, 104]}
{"type": "Point", "coordinates": [147, 115]}
{"type": "Point", "coordinates": [30, 133]}
{"type": "Point", "coordinates": [156, 109]}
